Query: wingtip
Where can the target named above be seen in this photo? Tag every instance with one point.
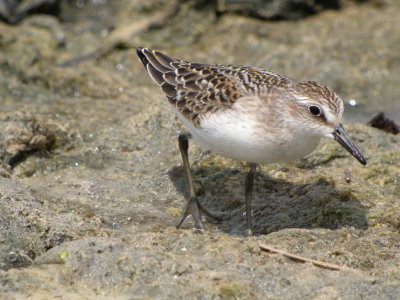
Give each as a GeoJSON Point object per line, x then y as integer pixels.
{"type": "Point", "coordinates": [142, 57]}
{"type": "Point", "coordinates": [139, 50]}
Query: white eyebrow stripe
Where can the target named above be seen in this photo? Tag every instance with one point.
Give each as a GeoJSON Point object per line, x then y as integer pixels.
{"type": "Point", "coordinates": [306, 101]}
{"type": "Point", "coordinates": [301, 98]}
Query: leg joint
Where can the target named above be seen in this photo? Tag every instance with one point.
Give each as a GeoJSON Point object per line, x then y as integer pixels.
{"type": "Point", "coordinates": [183, 140]}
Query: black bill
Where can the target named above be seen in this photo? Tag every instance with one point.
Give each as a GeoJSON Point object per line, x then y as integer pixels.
{"type": "Point", "coordinates": [340, 136]}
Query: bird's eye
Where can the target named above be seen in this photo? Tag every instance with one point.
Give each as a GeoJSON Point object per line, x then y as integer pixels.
{"type": "Point", "coordinates": [315, 110]}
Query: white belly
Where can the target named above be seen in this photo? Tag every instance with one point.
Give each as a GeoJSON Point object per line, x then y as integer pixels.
{"type": "Point", "coordinates": [242, 138]}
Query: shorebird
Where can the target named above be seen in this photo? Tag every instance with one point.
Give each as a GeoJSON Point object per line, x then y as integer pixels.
{"type": "Point", "coordinates": [245, 113]}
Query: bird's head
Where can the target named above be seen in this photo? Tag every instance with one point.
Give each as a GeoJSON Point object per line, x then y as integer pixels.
{"type": "Point", "coordinates": [320, 111]}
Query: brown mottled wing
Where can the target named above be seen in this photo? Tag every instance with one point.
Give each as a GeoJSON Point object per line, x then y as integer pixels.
{"type": "Point", "coordinates": [197, 89]}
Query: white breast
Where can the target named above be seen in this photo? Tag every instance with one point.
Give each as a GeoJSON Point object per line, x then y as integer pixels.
{"type": "Point", "coordinates": [242, 137]}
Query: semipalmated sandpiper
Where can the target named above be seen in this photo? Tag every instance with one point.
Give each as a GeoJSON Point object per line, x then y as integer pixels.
{"type": "Point", "coordinates": [247, 114]}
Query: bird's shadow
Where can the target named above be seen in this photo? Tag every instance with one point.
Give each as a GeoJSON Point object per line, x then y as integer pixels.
{"type": "Point", "coordinates": [277, 203]}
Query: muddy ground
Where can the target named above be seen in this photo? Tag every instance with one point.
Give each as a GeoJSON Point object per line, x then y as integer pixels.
{"type": "Point", "coordinates": [91, 183]}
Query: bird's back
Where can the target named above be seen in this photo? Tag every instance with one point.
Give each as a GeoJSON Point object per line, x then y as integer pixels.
{"type": "Point", "coordinates": [197, 90]}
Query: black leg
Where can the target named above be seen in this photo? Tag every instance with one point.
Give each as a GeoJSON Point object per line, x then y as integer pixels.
{"type": "Point", "coordinates": [248, 195]}
{"type": "Point", "coordinates": [192, 207]}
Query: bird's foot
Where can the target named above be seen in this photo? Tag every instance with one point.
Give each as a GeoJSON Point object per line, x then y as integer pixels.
{"type": "Point", "coordinates": [194, 208]}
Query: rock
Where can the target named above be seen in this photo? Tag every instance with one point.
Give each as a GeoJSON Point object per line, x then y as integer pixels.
{"type": "Point", "coordinates": [276, 9]}
{"type": "Point", "coordinates": [13, 11]}
{"type": "Point", "coordinates": [29, 227]}
{"type": "Point", "coordinates": [23, 134]}
{"type": "Point", "coordinates": [380, 121]}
